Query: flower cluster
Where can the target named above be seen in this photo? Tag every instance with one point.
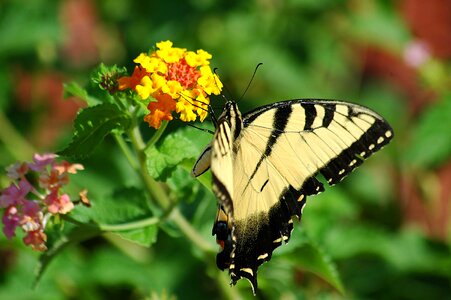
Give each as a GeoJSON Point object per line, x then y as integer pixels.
{"type": "Point", "coordinates": [30, 206]}
{"type": "Point", "coordinates": [179, 80]}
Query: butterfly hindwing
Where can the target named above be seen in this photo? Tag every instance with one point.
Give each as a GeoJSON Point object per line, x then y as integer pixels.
{"type": "Point", "coordinates": [265, 164]}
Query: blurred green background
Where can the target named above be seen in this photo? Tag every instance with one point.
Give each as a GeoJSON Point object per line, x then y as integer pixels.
{"type": "Point", "coordinates": [386, 227]}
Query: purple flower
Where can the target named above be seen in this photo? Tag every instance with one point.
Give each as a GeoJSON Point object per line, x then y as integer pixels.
{"type": "Point", "coordinates": [41, 161]}
{"type": "Point", "coordinates": [14, 195]}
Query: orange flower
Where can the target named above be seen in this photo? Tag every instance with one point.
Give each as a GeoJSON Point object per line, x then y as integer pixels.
{"type": "Point", "coordinates": [160, 110]}
{"type": "Point", "coordinates": [181, 81]}
{"type": "Point", "coordinates": [132, 81]}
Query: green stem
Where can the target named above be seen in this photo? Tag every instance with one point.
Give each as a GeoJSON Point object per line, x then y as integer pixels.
{"type": "Point", "coordinates": [190, 232]}
{"type": "Point", "coordinates": [160, 196]}
{"type": "Point", "coordinates": [126, 150]}
{"type": "Point", "coordinates": [157, 135]}
{"type": "Point", "coordinates": [116, 227]}
{"type": "Point", "coordinates": [13, 141]}
{"type": "Point", "coordinates": [130, 225]}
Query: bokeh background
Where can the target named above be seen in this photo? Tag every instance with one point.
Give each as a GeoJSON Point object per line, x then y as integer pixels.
{"type": "Point", "coordinates": [386, 227]}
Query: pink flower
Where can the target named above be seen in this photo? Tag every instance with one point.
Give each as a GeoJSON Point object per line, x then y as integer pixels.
{"type": "Point", "coordinates": [10, 220]}
{"type": "Point", "coordinates": [41, 161]}
{"type": "Point", "coordinates": [32, 216]}
{"type": "Point", "coordinates": [36, 239]}
{"type": "Point", "coordinates": [14, 195]}
{"type": "Point", "coordinates": [58, 204]}
{"type": "Point", "coordinates": [67, 167]}
{"type": "Point", "coordinates": [53, 179]}
{"type": "Point", "coordinates": [25, 204]}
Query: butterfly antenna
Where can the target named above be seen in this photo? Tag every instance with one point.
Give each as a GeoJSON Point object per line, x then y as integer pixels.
{"type": "Point", "coordinates": [250, 81]}
{"type": "Point", "coordinates": [192, 100]}
{"type": "Point", "coordinates": [224, 86]}
{"type": "Point", "coordinates": [209, 110]}
{"type": "Point", "coordinates": [199, 128]}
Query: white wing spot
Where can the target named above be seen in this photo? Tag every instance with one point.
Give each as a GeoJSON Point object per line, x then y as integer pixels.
{"type": "Point", "coordinates": [362, 153]}
{"type": "Point", "coordinates": [388, 134]}
{"type": "Point", "coordinates": [341, 171]}
{"type": "Point", "coordinates": [371, 147]}
{"type": "Point", "coordinates": [284, 237]}
{"type": "Point", "coordinates": [380, 140]}
{"type": "Point", "coordinates": [279, 240]}
{"type": "Point", "coordinates": [262, 257]}
{"type": "Point", "coordinates": [329, 180]}
{"type": "Point", "coordinates": [353, 162]}
{"type": "Point", "coordinates": [290, 221]}
{"type": "Point", "coordinates": [247, 270]}
{"type": "Point", "coordinates": [232, 266]}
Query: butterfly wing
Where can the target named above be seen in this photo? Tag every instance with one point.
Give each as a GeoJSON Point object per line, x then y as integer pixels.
{"type": "Point", "coordinates": [264, 165]}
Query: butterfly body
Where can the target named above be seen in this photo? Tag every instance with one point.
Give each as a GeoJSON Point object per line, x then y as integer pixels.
{"type": "Point", "coordinates": [264, 164]}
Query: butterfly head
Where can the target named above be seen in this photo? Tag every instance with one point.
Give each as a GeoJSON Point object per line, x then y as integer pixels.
{"type": "Point", "coordinates": [232, 116]}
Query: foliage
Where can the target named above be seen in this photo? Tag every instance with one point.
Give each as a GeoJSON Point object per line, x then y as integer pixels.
{"type": "Point", "coordinates": [148, 231]}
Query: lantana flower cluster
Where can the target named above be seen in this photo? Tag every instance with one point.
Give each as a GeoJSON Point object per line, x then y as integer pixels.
{"type": "Point", "coordinates": [179, 80]}
{"type": "Point", "coordinates": [30, 205]}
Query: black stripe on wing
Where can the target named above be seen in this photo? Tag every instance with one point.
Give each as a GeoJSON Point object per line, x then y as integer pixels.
{"type": "Point", "coordinates": [377, 136]}
{"type": "Point", "coordinates": [280, 121]}
{"type": "Point", "coordinates": [310, 115]}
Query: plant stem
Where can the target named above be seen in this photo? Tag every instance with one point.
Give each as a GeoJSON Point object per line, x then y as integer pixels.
{"type": "Point", "coordinates": [157, 135]}
{"type": "Point", "coordinates": [130, 225]}
{"type": "Point", "coordinates": [126, 150]}
{"type": "Point", "coordinates": [160, 196]}
{"type": "Point", "coordinates": [115, 227]}
{"type": "Point", "coordinates": [190, 232]}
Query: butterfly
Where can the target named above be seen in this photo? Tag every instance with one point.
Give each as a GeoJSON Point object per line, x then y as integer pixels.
{"type": "Point", "coordinates": [265, 163]}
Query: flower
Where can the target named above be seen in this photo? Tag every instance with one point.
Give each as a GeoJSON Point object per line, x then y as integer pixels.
{"type": "Point", "coordinates": [14, 195]}
{"type": "Point", "coordinates": [30, 207]}
{"type": "Point", "coordinates": [41, 161]}
{"type": "Point", "coordinates": [58, 203]}
{"type": "Point", "coordinates": [36, 239]}
{"type": "Point", "coordinates": [176, 80]}
{"type": "Point", "coordinates": [10, 220]}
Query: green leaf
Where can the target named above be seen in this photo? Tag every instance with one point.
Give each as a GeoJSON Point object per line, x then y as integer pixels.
{"type": "Point", "coordinates": [144, 236]}
{"type": "Point", "coordinates": [91, 126]}
{"type": "Point", "coordinates": [122, 205]}
{"type": "Point", "coordinates": [184, 144]}
{"type": "Point", "coordinates": [74, 89]}
{"type": "Point", "coordinates": [431, 144]}
{"type": "Point", "coordinates": [311, 258]}
{"type": "Point", "coordinates": [125, 213]}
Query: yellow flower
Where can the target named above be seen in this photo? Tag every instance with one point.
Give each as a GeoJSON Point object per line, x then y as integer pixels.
{"type": "Point", "coordinates": [209, 82]}
{"type": "Point", "coordinates": [173, 88]}
{"type": "Point", "coordinates": [169, 54]}
{"type": "Point", "coordinates": [186, 111]}
{"type": "Point", "coordinates": [144, 89]}
{"type": "Point", "coordinates": [179, 80]}
{"type": "Point", "coordinates": [149, 85]}
{"type": "Point", "coordinates": [198, 59]}
{"type": "Point", "coordinates": [153, 65]}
